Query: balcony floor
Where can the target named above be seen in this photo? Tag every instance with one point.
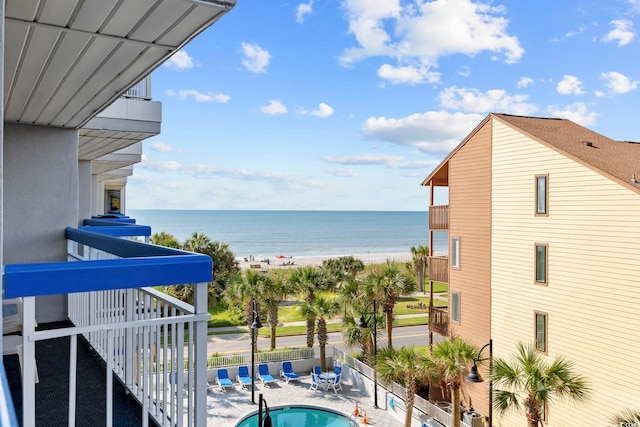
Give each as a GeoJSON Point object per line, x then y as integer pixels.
{"type": "Point", "coordinates": [52, 391]}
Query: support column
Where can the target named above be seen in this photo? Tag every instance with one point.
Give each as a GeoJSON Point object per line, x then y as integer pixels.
{"type": "Point", "coordinates": [200, 355]}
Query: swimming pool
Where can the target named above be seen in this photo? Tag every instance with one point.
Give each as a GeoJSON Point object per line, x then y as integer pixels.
{"type": "Point", "coordinates": [300, 416]}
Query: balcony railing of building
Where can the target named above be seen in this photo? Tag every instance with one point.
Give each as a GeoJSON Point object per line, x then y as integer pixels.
{"type": "Point", "coordinates": [439, 320]}
{"type": "Point", "coordinates": [439, 269]}
{"type": "Point", "coordinates": [141, 90]}
{"type": "Point", "coordinates": [439, 217]}
{"type": "Point", "coordinates": [155, 344]}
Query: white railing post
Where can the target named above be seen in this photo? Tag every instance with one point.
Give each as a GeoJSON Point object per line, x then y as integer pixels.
{"type": "Point", "coordinates": [73, 363]}
{"type": "Point", "coordinates": [28, 361]}
{"type": "Point", "coordinates": [200, 355]}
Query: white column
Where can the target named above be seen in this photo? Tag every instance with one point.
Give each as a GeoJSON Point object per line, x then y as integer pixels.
{"type": "Point", "coordinates": [200, 355]}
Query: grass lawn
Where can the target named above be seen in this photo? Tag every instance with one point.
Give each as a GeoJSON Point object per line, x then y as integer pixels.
{"type": "Point", "coordinates": [285, 331]}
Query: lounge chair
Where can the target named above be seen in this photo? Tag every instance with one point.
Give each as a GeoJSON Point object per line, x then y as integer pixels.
{"type": "Point", "coordinates": [223, 380]}
{"type": "Point", "coordinates": [335, 383]}
{"type": "Point", "coordinates": [264, 375]}
{"type": "Point", "coordinates": [244, 379]}
{"type": "Point", "coordinates": [287, 373]}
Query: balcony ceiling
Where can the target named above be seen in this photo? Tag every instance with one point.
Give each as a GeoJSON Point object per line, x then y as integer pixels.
{"type": "Point", "coordinates": [66, 60]}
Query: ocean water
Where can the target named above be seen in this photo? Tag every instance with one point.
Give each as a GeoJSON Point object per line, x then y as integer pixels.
{"type": "Point", "coordinates": [298, 233]}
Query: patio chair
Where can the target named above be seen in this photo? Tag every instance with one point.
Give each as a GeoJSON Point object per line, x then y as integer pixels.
{"type": "Point", "coordinates": [337, 370]}
{"type": "Point", "coordinates": [316, 382]}
{"type": "Point", "coordinates": [317, 370]}
{"type": "Point", "coordinates": [264, 375]}
{"type": "Point", "coordinates": [335, 384]}
{"type": "Point", "coordinates": [223, 380]}
{"type": "Point", "coordinates": [287, 373]}
{"type": "Point", "coordinates": [244, 379]}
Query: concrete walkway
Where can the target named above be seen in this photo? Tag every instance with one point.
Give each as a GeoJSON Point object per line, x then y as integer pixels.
{"type": "Point", "coordinates": [228, 408]}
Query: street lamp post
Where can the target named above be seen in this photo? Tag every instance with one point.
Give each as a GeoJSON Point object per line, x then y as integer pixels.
{"type": "Point", "coordinates": [254, 331]}
{"type": "Point", "coordinates": [362, 324]}
{"type": "Point", "coordinates": [474, 376]}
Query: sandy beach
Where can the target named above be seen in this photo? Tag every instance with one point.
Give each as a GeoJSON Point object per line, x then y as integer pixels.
{"type": "Point", "coordinates": [301, 261]}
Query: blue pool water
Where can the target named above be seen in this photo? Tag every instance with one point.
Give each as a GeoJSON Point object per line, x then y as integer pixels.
{"type": "Point", "coordinates": [300, 416]}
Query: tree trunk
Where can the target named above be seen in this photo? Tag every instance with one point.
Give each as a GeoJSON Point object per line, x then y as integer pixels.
{"type": "Point", "coordinates": [322, 341]}
{"type": "Point", "coordinates": [311, 323]}
{"type": "Point", "coordinates": [389, 314]}
{"type": "Point", "coordinates": [455, 407]}
{"type": "Point", "coordinates": [421, 278]}
{"type": "Point", "coordinates": [411, 397]}
{"type": "Point", "coordinates": [254, 337]}
{"type": "Point", "coordinates": [273, 322]}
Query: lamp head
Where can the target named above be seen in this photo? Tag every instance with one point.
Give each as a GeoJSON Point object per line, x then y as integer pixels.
{"type": "Point", "coordinates": [361, 323]}
{"type": "Point", "coordinates": [474, 376]}
{"type": "Point", "coordinates": [256, 323]}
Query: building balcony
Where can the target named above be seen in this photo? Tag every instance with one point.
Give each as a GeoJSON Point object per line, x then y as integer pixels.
{"type": "Point", "coordinates": [152, 345]}
{"type": "Point", "coordinates": [439, 320]}
{"type": "Point", "coordinates": [439, 269]}
{"type": "Point", "coordinates": [439, 218]}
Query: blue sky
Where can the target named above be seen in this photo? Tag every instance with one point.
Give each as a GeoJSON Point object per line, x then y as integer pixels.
{"type": "Point", "coordinates": [350, 104]}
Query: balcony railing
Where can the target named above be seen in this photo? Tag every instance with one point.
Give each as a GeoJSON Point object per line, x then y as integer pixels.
{"type": "Point", "coordinates": [141, 90]}
{"type": "Point", "coordinates": [439, 320]}
{"type": "Point", "coordinates": [439, 217]}
{"type": "Point", "coordinates": [439, 269]}
{"type": "Point", "coordinates": [154, 343]}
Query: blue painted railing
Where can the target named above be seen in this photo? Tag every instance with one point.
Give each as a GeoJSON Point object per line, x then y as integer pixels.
{"type": "Point", "coordinates": [140, 265]}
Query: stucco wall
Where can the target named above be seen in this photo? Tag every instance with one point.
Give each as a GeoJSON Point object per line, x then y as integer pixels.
{"type": "Point", "coordinates": [40, 200]}
{"type": "Point", "coordinates": [593, 273]}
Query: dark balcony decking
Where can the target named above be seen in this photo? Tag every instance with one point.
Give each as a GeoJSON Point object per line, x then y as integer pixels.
{"type": "Point", "coordinates": [52, 359]}
{"type": "Point", "coordinates": [439, 269]}
{"type": "Point", "coordinates": [439, 320]}
{"type": "Point", "coordinates": [439, 218]}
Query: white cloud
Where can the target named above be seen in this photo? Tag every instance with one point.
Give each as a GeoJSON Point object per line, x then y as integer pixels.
{"type": "Point", "coordinates": [433, 131]}
{"type": "Point", "coordinates": [199, 96]}
{"type": "Point", "coordinates": [255, 58]}
{"type": "Point", "coordinates": [622, 32]}
{"type": "Point", "coordinates": [274, 107]}
{"type": "Point", "coordinates": [569, 85]}
{"type": "Point", "coordinates": [324, 110]}
{"type": "Point", "coordinates": [179, 61]}
{"type": "Point", "coordinates": [494, 100]}
{"type": "Point", "coordinates": [344, 173]}
{"type": "Point", "coordinates": [618, 83]}
{"type": "Point", "coordinates": [576, 112]}
{"type": "Point", "coordinates": [409, 74]}
{"type": "Point", "coordinates": [422, 32]}
{"type": "Point", "coordinates": [302, 10]}
{"type": "Point", "coordinates": [524, 82]}
{"type": "Point", "coordinates": [389, 161]}
{"type": "Point", "coordinates": [163, 147]}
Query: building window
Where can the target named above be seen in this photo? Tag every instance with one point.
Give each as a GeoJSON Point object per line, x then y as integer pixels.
{"type": "Point", "coordinates": [455, 252]}
{"type": "Point", "coordinates": [455, 306]}
{"type": "Point", "coordinates": [541, 331]}
{"type": "Point", "coordinates": [542, 194]}
{"type": "Point", "coordinates": [541, 263]}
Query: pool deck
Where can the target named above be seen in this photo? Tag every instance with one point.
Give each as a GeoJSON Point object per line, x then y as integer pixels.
{"type": "Point", "coordinates": [228, 408]}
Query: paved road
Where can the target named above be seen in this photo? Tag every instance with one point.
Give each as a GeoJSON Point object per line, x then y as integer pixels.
{"type": "Point", "coordinates": [232, 343]}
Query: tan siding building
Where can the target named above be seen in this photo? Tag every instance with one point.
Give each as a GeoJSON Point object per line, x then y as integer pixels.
{"type": "Point", "coordinates": [589, 292]}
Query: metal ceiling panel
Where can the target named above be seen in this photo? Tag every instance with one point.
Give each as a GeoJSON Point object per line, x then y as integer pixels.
{"type": "Point", "coordinates": [66, 60]}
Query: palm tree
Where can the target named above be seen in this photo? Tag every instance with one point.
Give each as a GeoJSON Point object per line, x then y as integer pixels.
{"type": "Point", "coordinates": [275, 289]}
{"type": "Point", "coordinates": [452, 358]}
{"type": "Point", "coordinates": [308, 281]}
{"type": "Point", "coordinates": [386, 286]}
{"type": "Point", "coordinates": [322, 308]}
{"type": "Point", "coordinates": [165, 239]}
{"type": "Point", "coordinates": [354, 336]}
{"type": "Point", "coordinates": [244, 289]}
{"type": "Point", "coordinates": [410, 369]}
{"type": "Point", "coordinates": [627, 417]}
{"type": "Point", "coordinates": [529, 383]}
{"type": "Point", "coordinates": [420, 263]}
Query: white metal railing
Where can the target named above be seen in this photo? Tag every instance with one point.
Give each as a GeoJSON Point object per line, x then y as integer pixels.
{"type": "Point", "coordinates": [264, 357]}
{"type": "Point", "coordinates": [147, 338]}
{"type": "Point", "coordinates": [141, 90]}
